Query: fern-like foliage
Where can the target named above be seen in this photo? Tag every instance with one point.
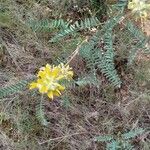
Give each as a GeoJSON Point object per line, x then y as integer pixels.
{"type": "Point", "coordinates": [13, 88]}
{"type": "Point", "coordinates": [136, 33]}
{"type": "Point", "coordinates": [133, 133]}
{"type": "Point", "coordinates": [100, 7]}
{"type": "Point", "coordinates": [120, 5]}
{"type": "Point", "coordinates": [122, 142]}
{"type": "Point", "coordinates": [141, 39]}
{"type": "Point", "coordinates": [111, 23]}
{"type": "Point", "coordinates": [134, 50]}
{"type": "Point", "coordinates": [66, 101]}
{"type": "Point", "coordinates": [40, 113]}
{"type": "Point", "coordinates": [88, 80]}
{"type": "Point", "coordinates": [65, 27]}
{"type": "Point", "coordinates": [87, 23]}
{"type": "Point", "coordinates": [119, 145]}
{"type": "Point", "coordinates": [103, 58]}
{"type": "Point", "coordinates": [107, 65]}
{"type": "Point", "coordinates": [47, 25]}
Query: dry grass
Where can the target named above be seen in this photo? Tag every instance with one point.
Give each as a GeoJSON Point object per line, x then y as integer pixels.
{"type": "Point", "coordinates": [82, 113]}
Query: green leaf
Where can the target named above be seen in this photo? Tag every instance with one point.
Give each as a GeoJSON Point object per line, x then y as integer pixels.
{"type": "Point", "coordinates": [11, 89]}
{"type": "Point", "coordinates": [133, 133]}
{"type": "Point", "coordinates": [40, 113]}
{"type": "Point", "coordinates": [113, 145]}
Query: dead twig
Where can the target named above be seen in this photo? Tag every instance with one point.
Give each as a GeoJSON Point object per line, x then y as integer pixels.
{"type": "Point", "coordinates": [61, 137]}
{"type": "Point", "coordinates": [75, 52]}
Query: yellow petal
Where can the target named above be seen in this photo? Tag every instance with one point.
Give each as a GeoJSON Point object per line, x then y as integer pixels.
{"type": "Point", "coordinates": [48, 66]}
{"type": "Point", "coordinates": [40, 81]}
{"type": "Point", "coordinates": [60, 77]}
{"type": "Point", "coordinates": [67, 67]}
{"type": "Point", "coordinates": [55, 72]}
{"type": "Point", "coordinates": [33, 85]}
{"type": "Point", "coordinates": [143, 15]}
{"type": "Point", "coordinates": [48, 69]}
{"type": "Point", "coordinates": [61, 88]}
{"type": "Point", "coordinates": [43, 89]}
{"type": "Point", "coordinates": [50, 94]}
{"type": "Point", "coordinates": [70, 73]}
{"type": "Point", "coordinates": [131, 5]}
{"type": "Point", "coordinates": [57, 93]}
{"type": "Point", "coordinates": [61, 65]}
{"type": "Point", "coordinates": [41, 74]}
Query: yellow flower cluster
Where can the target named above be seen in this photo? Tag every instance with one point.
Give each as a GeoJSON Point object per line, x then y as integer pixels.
{"type": "Point", "coordinates": [139, 7]}
{"type": "Point", "coordinates": [49, 78]}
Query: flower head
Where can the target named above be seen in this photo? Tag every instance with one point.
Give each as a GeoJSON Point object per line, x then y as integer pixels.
{"type": "Point", "coordinates": [139, 7]}
{"type": "Point", "coordinates": [49, 78]}
{"type": "Point", "coordinates": [66, 71]}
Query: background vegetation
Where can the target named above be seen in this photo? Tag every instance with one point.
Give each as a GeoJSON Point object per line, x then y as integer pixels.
{"type": "Point", "coordinates": [107, 104]}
